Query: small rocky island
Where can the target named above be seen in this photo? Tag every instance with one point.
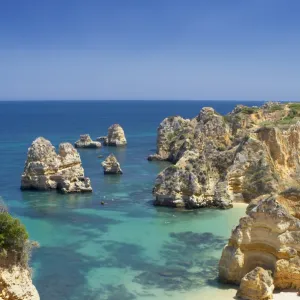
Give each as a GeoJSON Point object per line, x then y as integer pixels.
{"type": "Point", "coordinates": [111, 165]}
{"type": "Point", "coordinates": [46, 170]}
{"type": "Point", "coordinates": [217, 160]}
{"type": "Point", "coordinates": [85, 141]}
{"type": "Point", "coordinates": [115, 137]}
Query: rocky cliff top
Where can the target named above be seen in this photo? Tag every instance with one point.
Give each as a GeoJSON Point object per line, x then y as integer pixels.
{"type": "Point", "coordinates": [15, 275]}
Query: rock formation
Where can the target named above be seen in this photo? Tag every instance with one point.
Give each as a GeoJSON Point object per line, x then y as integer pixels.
{"type": "Point", "coordinates": [15, 250]}
{"type": "Point", "coordinates": [16, 284]}
{"type": "Point", "coordinates": [269, 237]}
{"type": "Point", "coordinates": [102, 139]}
{"type": "Point", "coordinates": [256, 285]}
{"type": "Point", "coordinates": [111, 165]}
{"type": "Point", "coordinates": [85, 141]}
{"type": "Point", "coordinates": [115, 136]}
{"type": "Point", "coordinates": [45, 169]}
{"type": "Point", "coordinates": [220, 159]}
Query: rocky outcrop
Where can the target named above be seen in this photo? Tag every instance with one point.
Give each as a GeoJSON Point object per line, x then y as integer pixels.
{"type": "Point", "coordinates": [85, 141]}
{"type": "Point", "coordinates": [111, 165]}
{"type": "Point", "coordinates": [256, 285]}
{"type": "Point", "coordinates": [269, 237]}
{"type": "Point", "coordinates": [16, 284]}
{"type": "Point", "coordinates": [219, 160]}
{"type": "Point", "coordinates": [115, 136]}
{"type": "Point", "coordinates": [102, 139]}
{"type": "Point", "coordinates": [46, 170]}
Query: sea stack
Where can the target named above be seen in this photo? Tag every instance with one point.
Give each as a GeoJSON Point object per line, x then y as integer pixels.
{"type": "Point", "coordinates": [46, 170]}
{"type": "Point", "coordinates": [85, 141]}
{"type": "Point", "coordinates": [116, 136]}
{"type": "Point", "coordinates": [111, 165]}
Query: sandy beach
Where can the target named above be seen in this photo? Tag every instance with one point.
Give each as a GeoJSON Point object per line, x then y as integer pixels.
{"type": "Point", "coordinates": [229, 294]}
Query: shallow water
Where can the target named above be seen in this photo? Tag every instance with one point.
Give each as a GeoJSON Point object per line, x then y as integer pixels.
{"type": "Point", "coordinates": [126, 249]}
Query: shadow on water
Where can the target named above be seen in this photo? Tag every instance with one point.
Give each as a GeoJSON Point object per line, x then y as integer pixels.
{"type": "Point", "coordinates": [186, 267]}
{"type": "Point", "coordinates": [64, 271]}
{"type": "Point", "coordinates": [187, 263]}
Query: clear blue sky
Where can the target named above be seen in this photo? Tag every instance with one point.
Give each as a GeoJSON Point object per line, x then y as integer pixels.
{"type": "Point", "coordinates": [150, 49]}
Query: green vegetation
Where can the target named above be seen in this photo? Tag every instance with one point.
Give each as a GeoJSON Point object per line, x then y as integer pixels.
{"type": "Point", "coordinates": [13, 234]}
{"type": "Point", "coordinates": [221, 148]}
{"type": "Point", "coordinates": [276, 107]}
{"type": "Point", "coordinates": [227, 118]}
{"type": "Point", "coordinates": [249, 110]}
{"type": "Point", "coordinates": [171, 136]}
{"type": "Point", "coordinates": [295, 106]}
{"type": "Point", "coordinates": [15, 247]}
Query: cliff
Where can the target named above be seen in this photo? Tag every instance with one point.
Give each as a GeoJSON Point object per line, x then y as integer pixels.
{"type": "Point", "coordinates": [45, 169]}
{"type": "Point", "coordinates": [15, 275]}
{"type": "Point", "coordinates": [218, 159]}
{"type": "Point", "coordinates": [268, 237]}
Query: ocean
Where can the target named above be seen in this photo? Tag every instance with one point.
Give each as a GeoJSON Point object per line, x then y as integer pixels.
{"type": "Point", "coordinates": [126, 249]}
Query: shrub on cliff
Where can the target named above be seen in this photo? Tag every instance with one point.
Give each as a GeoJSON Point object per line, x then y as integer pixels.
{"type": "Point", "coordinates": [15, 247]}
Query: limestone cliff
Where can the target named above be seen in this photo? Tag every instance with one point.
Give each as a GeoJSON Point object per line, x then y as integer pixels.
{"type": "Point", "coordinates": [15, 249]}
{"type": "Point", "coordinates": [16, 284]}
{"type": "Point", "coordinates": [268, 237]}
{"type": "Point", "coordinates": [45, 169]}
{"type": "Point", "coordinates": [219, 159]}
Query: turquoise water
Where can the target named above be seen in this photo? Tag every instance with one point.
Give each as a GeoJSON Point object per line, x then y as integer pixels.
{"type": "Point", "coordinates": [126, 249]}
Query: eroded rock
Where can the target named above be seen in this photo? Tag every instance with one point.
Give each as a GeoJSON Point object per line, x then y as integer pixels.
{"type": "Point", "coordinates": [16, 284]}
{"type": "Point", "coordinates": [256, 285]}
{"type": "Point", "coordinates": [269, 237]}
{"type": "Point", "coordinates": [46, 170]}
{"type": "Point", "coordinates": [111, 165]}
{"type": "Point", "coordinates": [115, 136]}
{"type": "Point", "coordinates": [219, 160]}
{"type": "Point", "coordinates": [85, 141]}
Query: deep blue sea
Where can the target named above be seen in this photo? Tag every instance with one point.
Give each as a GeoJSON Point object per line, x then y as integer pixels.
{"type": "Point", "coordinates": [126, 249]}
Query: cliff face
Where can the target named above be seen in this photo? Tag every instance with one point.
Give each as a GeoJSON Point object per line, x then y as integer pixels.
{"type": "Point", "coordinates": [217, 160]}
{"type": "Point", "coordinates": [269, 237]}
{"type": "Point", "coordinates": [16, 284]}
{"type": "Point", "coordinates": [45, 169]}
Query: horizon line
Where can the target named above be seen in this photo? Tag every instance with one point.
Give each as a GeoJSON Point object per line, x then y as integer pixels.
{"type": "Point", "coordinates": [156, 100]}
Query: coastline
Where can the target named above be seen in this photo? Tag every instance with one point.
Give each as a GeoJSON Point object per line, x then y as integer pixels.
{"type": "Point", "coordinates": [229, 294]}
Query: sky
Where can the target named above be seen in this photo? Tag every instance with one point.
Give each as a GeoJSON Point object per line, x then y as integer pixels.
{"type": "Point", "coordinates": [150, 50]}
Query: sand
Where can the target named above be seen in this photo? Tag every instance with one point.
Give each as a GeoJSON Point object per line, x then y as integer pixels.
{"type": "Point", "coordinates": [210, 293]}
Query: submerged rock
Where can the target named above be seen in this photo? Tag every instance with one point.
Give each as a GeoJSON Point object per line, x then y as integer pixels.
{"type": "Point", "coordinates": [223, 159]}
{"type": "Point", "coordinates": [256, 285]}
{"type": "Point", "coordinates": [16, 284]}
{"type": "Point", "coordinates": [111, 165]}
{"type": "Point", "coordinates": [269, 237]}
{"type": "Point", "coordinates": [46, 170]}
{"type": "Point", "coordinates": [85, 141]}
{"type": "Point", "coordinates": [115, 136]}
